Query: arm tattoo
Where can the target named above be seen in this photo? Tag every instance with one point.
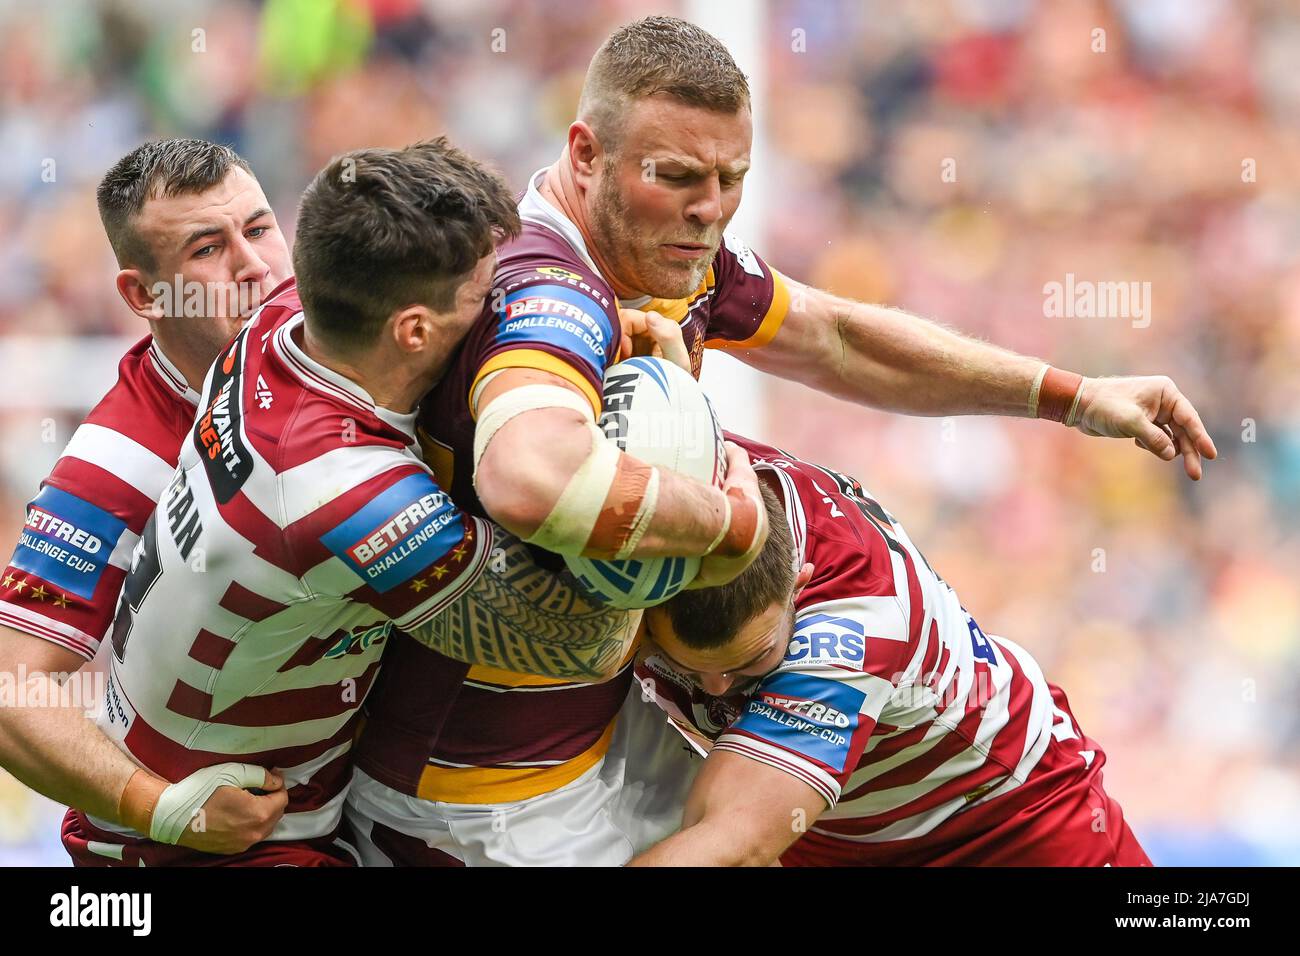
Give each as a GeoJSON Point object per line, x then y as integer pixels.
{"type": "Point", "coordinates": [523, 618]}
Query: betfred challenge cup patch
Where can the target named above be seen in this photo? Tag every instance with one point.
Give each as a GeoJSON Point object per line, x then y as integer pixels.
{"type": "Point", "coordinates": [67, 541]}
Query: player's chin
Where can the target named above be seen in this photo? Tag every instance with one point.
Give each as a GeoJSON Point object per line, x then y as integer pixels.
{"type": "Point", "coordinates": [676, 278]}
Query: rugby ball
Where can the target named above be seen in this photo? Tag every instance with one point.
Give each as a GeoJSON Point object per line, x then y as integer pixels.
{"type": "Point", "coordinates": [658, 413]}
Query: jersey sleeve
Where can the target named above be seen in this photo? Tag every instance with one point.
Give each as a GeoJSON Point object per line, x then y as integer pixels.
{"type": "Point", "coordinates": [813, 716]}
{"type": "Point", "coordinates": [553, 319]}
{"type": "Point", "coordinates": [750, 299]}
{"type": "Point", "coordinates": [398, 544]}
{"type": "Point", "coordinates": [74, 550]}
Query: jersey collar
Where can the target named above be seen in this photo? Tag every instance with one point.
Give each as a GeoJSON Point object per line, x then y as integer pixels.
{"type": "Point", "coordinates": [170, 375]}
{"type": "Point", "coordinates": [325, 381]}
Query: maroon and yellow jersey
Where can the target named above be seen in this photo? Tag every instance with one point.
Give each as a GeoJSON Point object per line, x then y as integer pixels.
{"type": "Point", "coordinates": [506, 736]}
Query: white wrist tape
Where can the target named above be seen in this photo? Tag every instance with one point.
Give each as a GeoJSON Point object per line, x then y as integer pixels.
{"type": "Point", "coordinates": [178, 804]}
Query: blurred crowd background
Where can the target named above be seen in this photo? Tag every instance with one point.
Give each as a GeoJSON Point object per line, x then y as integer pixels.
{"type": "Point", "coordinates": [950, 157]}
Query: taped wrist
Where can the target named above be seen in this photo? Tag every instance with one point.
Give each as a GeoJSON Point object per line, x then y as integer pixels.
{"type": "Point", "coordinates": [1058, 396]}
{"type": "Point", "coordinates": [740, 525]}
{"type": "Point", "coordinates": [135, 807]}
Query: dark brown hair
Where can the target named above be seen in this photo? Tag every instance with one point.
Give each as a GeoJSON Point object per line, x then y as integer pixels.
{"type": "Point", "coordinates": [659, 55]}
{"type": "Point", "coordinates": [382, 229]}
{"type": "Point", "coordinates": [161, 169]}
{"type": "Point", "coordinates": [709, 618]}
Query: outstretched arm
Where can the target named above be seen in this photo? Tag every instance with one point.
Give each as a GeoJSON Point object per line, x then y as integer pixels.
{"type": "Point", "coordinates": [890, 359]}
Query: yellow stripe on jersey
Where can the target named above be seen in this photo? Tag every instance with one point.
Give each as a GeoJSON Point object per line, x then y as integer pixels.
{"type": "Point", "coordinates": [482, 674]}
{"type": "Point", "coordinates": [767, 329]}
{"type": "Point", "coordinates": [543, 361]}
{"type": "Point", "coordinates": [507, 784]}
{"type": "Point", "coordinates": [440, 459]}
{"type": "Point", "coordinates": [676, 309]}
{"type": "Point", "coordinates": [497, 677]}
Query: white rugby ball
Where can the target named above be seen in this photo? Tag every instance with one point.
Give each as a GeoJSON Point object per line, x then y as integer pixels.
{"type": "Point", "coordinates": [658, 413]}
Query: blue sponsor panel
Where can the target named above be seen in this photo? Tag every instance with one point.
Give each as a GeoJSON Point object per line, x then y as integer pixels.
{"type": "Point", "coordinates": [398, 533]}
{"type": "Point", "coordinates": [828, 639]}
{"type": "Point", "coordinates": [67, 541]}
{"type": "Point", "coordinates": [808, 715]}
{"type": "Point", "coordinates": [560, 317]}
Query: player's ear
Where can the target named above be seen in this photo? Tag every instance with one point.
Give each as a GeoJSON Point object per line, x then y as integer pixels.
{"type": "Point", "coordinates": [414, 328]}
{"type": "Point", "coordinates": [137, 292]}
{"type": "Point", "coordinates": [584, 150]}
{"type": "Point", "coordinates": [802, 578]}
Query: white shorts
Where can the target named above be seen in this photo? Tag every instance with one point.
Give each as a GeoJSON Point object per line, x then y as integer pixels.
{"type": "Point", "coordinates": [627, 802]}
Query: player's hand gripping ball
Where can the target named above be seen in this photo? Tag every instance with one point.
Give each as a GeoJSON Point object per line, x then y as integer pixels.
{"type": "Point", "coordinates": [656, 412]}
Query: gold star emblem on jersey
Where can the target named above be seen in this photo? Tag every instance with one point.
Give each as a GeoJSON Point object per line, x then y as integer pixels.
{"type": "Point", "coordinates": [438, 571]}
{"type": "Point", "coordinates": [458, 552]}
{"type": "Point", "coordinates": [9, 580]}
{"type": "Point", "coordinates": [39, 592]}
{"type": "Point", "coordinates": [61, 600]}
{"type": "Point", "coordinates": [19, 585]}
{"type": "Point", "coordinates": [418, 585]}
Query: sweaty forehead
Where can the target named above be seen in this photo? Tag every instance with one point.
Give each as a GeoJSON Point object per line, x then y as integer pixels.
{"type": "Point", "coordinates": [661, 127]}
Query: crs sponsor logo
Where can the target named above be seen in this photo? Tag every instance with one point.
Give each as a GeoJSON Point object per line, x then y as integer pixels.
{"type": "Point", "coordinates": [825, 637]}
{"type": "Point", "coordinates": [807, 708]}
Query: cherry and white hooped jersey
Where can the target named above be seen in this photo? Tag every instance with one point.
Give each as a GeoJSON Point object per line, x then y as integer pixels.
{"type": "Point", "coordinates": [890, 702]}
{"type": "Point", "coordinates": [299, 528]}
{"type": "Point", "coordinates": [64, 578]}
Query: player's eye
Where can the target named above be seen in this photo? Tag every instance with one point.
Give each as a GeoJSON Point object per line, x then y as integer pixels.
{"type": "Point", "coordinates": [257, 232]}
{"type": "Point", "coordinates": [204, 252]}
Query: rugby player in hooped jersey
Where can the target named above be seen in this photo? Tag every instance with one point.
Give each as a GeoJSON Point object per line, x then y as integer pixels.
{"type": "Point", "coordinates": [320, 529]}
{"type": "Point", "coordinates": [634, 214]}
{"type": "Point", "coordinates": [172, 209]}
{"type": "Point", "coordinates": [858, 715]}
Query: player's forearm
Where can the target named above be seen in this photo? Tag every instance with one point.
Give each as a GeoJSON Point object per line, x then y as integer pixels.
{"type": "Point", "coordinates": [706, 844]}
{"type": "Point", "coordinates": [57, 751]}
{"type": "Point", "coordinates": [688, 516]}
{"type": "Point", "coordinates": [531, 464]}
{"type": "Point", "coordinates": [904, 363]}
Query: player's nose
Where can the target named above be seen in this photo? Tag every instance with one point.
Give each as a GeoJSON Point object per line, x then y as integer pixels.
{"type": "Point", "coordinates": [706, 206]}
{"type": "Point", "coordinates": [716, 684]}
{"type": "Point", "coordinates": [249, 265]}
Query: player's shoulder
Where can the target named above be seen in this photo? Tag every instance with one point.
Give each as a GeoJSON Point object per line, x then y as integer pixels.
{"type": "Point", "coordinates": [540, 258]}
{"type": "Point", "coordinates": [150, 405]}
{"type": "Point", "coordinates": [270, 408]}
